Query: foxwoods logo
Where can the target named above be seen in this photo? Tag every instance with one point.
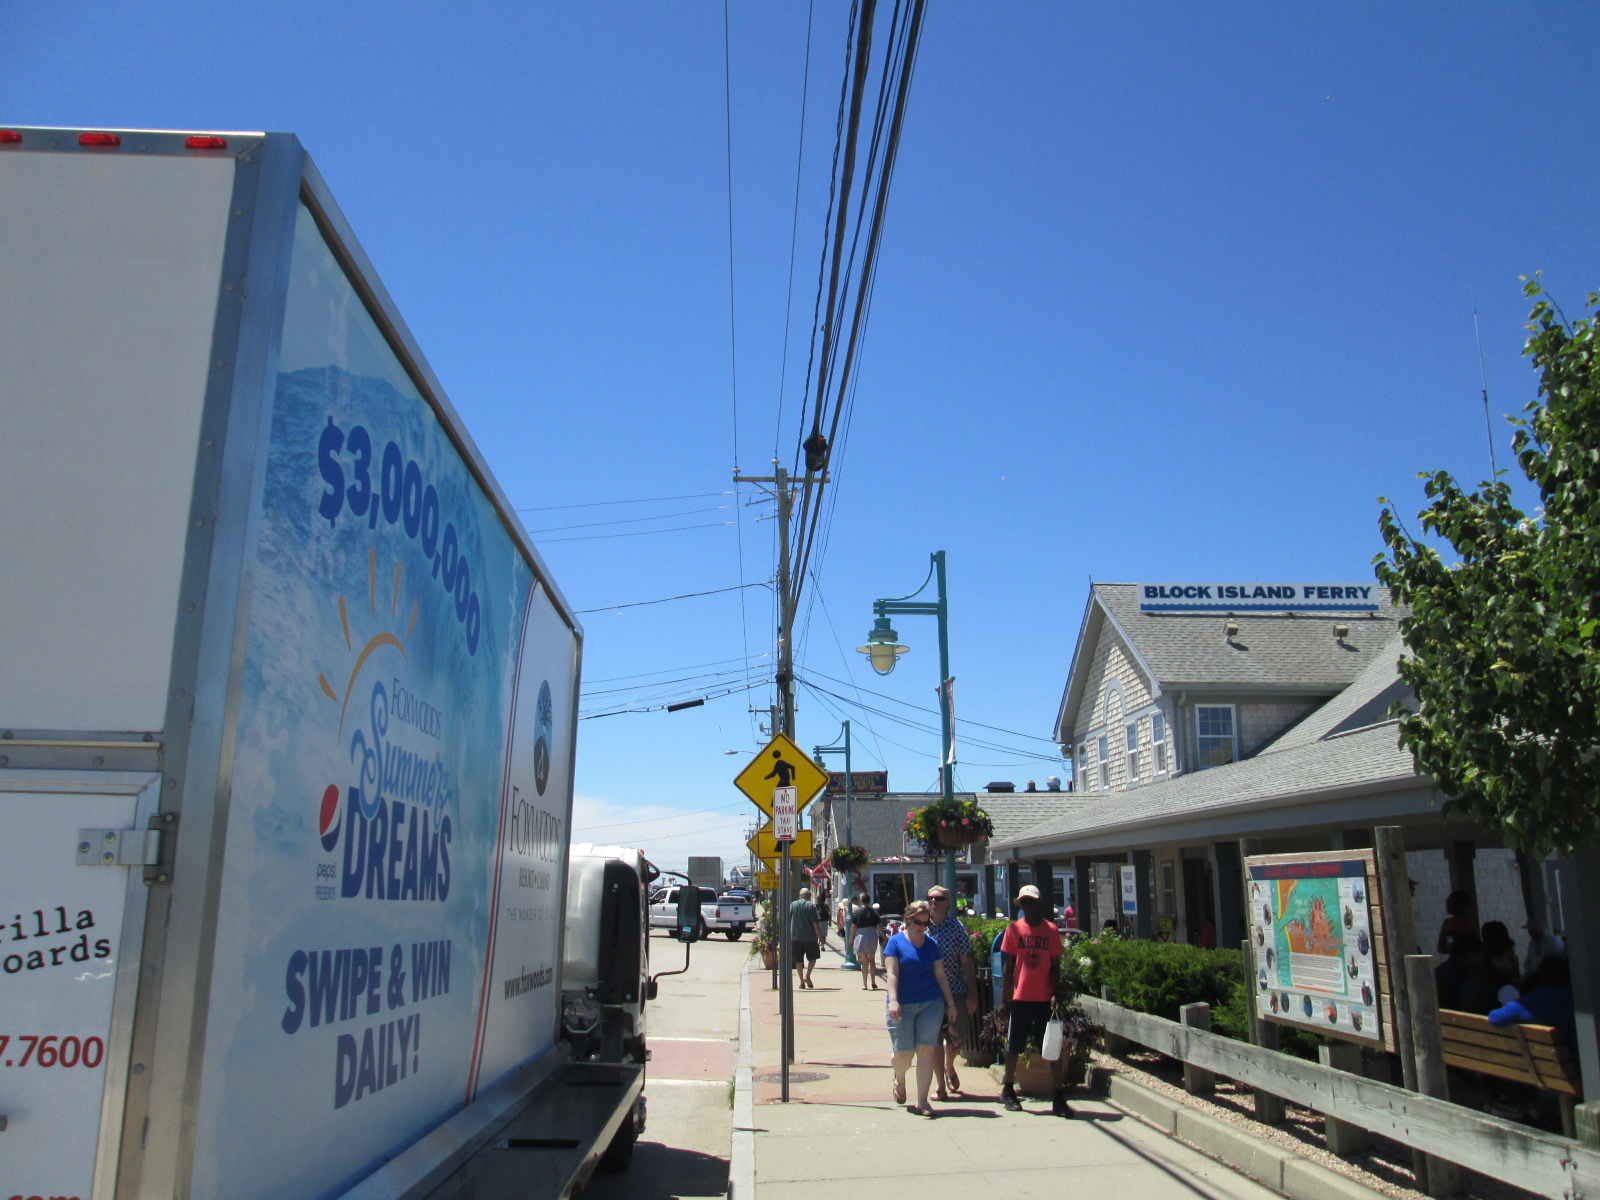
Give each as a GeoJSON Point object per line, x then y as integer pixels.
{"type": "Point", "coordinates": [393, 820]}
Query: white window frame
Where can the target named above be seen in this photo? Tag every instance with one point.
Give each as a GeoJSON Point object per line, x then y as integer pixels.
{"type": "Point", "coordinates": [1102, 749]}
{"type": "Point", "coordinates": [1130, 757]}
{"type": "Point", "coordinates": [1199, 738]}
{"type": "Point", "coordinates": [1158, 744]}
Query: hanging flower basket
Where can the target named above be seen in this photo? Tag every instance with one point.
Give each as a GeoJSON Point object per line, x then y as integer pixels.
{"type": "Point", "coordinates": [948, 824]}
{"type": "Point", "coordinates": [848, 858]}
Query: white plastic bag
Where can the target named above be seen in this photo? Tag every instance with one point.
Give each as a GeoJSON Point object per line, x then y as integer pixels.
{"type": "Point", "coordinates": [1051, 1050]}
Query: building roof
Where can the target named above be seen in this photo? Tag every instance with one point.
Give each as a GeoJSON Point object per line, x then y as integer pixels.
{"type": "Point", "coordinates": [1347, 745]}
{"type": "Point", "coordinates": [1189, 651]}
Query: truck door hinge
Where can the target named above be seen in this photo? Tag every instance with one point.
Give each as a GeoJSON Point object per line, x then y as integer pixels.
{"type": "Point", "coordinates": [127, 847]}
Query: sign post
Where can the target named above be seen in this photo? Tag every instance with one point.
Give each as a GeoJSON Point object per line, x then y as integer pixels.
{"type": "Point", "coordinates": [780, 780]}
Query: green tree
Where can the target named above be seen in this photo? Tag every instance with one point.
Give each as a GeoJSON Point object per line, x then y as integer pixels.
{"type": "Point", "coordinates": [1504, 657]}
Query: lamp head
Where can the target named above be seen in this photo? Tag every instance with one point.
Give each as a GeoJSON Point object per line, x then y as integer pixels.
{"type": "Point", "coordinates": [882, 648]}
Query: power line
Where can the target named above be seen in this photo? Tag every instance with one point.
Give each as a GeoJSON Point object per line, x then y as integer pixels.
{"type": "Point", "coordinates": [690, 667]}
{"type": "Point", "coordinates": [889, 716]}
{"type": "Point", "coordinates": [933, 712]}
{"type": "Point", "coordinates": [733, 325]}
{"type": "Point", "coordinates": [642, 500]}
{"type": "Point", "coordinates": [590, 537]}
{"type": "Point", "coordinates": [685, 596]}
{"type": "Point", "coordinates": [654, 684]}
{"type": "Point", "coordinates": [662, 706]}
{"type": "Point", "coordinates": [794, 226]}
{"type": "Point", "coordinates": [688, 512]}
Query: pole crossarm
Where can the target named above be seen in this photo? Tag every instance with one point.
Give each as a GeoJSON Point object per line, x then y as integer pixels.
{"type": "Point", "coordinates": [884, 608]}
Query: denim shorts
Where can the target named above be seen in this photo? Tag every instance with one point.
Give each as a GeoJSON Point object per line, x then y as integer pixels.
{"type": "Point", "coordinates": [918, 1025]}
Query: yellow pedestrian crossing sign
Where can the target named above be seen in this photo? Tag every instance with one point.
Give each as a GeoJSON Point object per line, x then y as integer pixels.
{"type": "Point", "coordinates": [767, 848]}
{"type": "Point", "coordinates": [781, 764]}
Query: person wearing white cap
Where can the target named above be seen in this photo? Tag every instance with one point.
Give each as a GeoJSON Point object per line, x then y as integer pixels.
{"type": "Point", "coordinates": [1541, 945]}
{"type": "Point", "coordinates": [1033, 950]}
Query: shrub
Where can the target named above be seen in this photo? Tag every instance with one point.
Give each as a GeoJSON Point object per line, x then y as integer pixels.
{"type": "Point", "coordinates": [1161, 977]}
{"type": "Point", "coordinates": [983, 931]}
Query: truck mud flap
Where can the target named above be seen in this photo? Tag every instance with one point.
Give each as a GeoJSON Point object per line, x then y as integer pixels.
{"type": "Point", "coordinates": [547, 1150]}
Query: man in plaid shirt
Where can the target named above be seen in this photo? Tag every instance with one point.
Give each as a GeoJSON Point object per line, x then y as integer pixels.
{"type": "Point", "coordinates": [956, 944]}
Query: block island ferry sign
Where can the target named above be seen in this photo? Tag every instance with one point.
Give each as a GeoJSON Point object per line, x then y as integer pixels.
{"type": "Point", "coordinates": [1257, 597]}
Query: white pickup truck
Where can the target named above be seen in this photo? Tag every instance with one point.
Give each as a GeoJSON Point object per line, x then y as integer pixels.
{"type": "Point", "coordinates": [718, 914]}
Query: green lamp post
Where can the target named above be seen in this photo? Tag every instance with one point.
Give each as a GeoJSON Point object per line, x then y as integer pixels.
{"type": "Point", "coordinates": [883, 650]}
{"type": "Point", "coordinates": [850, 963]}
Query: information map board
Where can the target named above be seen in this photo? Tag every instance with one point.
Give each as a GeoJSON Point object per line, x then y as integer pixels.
{"type": "Point", "coordinates": [1316, 941]}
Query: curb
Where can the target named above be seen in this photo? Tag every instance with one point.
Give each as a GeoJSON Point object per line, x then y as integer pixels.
{"type": "Point", "coordinates": [1269, 1165]}
{"type": "Point", "coordinates": [742, 1158]}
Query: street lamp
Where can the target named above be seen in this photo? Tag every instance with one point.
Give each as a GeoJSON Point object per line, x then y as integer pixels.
{"type": "Point", "coordinates": [850, 963]}
{"type": "Point", "coordinates": [883, 649]}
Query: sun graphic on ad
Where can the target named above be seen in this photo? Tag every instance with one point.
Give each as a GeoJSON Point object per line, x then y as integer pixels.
{"type": "Point", "coordinates": [376, 642]}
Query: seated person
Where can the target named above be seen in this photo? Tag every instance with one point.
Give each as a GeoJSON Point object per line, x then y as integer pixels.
{"type": "Point", "coordinates": [1500, 952]}
{"type": "Point", "coordinates": [1465, 981]}
{"type": "Point", "coordinates": [1548, 1002]}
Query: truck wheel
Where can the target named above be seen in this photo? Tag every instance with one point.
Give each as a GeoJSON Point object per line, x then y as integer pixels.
{"type": "Point", "coordinates": [736, 933]}
{"type": "Point", "coordinates": [619, 1153]}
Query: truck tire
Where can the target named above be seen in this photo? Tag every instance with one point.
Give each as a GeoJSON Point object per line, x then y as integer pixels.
{"type": "Point", "coordinates": [736, 933]}
{"type": "Point", "coordinates": [619, 1153]}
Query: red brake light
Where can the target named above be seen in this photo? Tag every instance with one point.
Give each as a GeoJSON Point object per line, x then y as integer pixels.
{"type": "Point", "coordinates": [9, 137]}
{"type": "Point", "coordinates": [99, 139]}
{"type": "Point", "coordinates": [206, 143]}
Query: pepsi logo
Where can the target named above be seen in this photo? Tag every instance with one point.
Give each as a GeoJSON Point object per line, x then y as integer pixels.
{"type": "Point", "coordinates": [329, 819]}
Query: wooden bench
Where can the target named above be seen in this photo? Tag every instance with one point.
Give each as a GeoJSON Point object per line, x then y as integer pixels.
{"type": "Point", "coordinates": [1531, 1054]}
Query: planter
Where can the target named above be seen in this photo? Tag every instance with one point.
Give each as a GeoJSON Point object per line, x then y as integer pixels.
{"type": "Point", "coordinates": [769, 958]}
{"type": "Point", "coordinates": [955, 838]}
{"type": "Point", "coordinates": [1033, 1073]}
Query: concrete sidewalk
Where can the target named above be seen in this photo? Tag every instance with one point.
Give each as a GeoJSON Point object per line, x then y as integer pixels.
{"type": "Point", "coordinates": [841, 1125]}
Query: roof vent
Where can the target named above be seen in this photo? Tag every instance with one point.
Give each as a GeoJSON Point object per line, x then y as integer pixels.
{"type": "Point", "coordinates": [1003, 785]}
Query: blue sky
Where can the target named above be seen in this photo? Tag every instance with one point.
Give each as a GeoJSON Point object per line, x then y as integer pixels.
{"type": "Point", "coordinates": [1167, 291]}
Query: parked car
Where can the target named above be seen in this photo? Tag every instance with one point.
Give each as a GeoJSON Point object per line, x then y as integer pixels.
{"type": "Point", "coordinates": [718, 914]}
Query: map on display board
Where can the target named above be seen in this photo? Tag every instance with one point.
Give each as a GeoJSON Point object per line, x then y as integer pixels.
{"type": "Point", "coordinates": [1315, 954]}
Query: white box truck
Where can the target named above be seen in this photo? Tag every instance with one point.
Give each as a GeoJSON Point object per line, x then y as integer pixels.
{"type": "Point", "coordinates": [287, 721]}
{"type": "Point", "coordinates": [705, 870]}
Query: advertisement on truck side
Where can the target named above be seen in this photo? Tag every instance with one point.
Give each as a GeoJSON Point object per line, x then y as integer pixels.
{"type": "Point", "coordinates": [387, 936]}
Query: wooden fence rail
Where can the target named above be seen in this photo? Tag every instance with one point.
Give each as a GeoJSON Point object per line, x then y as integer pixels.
{"type": "Point", "coordinates": [1540, 1162]}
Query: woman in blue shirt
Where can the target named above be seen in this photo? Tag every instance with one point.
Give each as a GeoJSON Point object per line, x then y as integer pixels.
{"type": "Point", "coordinates": [920, 1002]}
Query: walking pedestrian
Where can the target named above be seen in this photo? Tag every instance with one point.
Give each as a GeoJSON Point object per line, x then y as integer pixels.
{"type": "Point", "coordinates": [919, 1001]}
{"type": "Point", "coordinates": [1033, 956]}
{"type": "Point", "coordinates": [956, 945]}
{"type": "Point", "coordinates": [864, 922]}
{"type": "Point", "coordinates": [806, 936]}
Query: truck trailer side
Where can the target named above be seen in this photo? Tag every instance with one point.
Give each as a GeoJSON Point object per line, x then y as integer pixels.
{"type": "Point", "coordinates": [288, 711]}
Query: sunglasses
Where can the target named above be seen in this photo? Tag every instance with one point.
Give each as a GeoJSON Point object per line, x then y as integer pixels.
{"type": "Point", "coordinates": [914, 921]}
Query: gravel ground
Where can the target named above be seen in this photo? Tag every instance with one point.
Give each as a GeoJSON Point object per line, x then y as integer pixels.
{"type": "Point", "coordinates": [1386, 1169]}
